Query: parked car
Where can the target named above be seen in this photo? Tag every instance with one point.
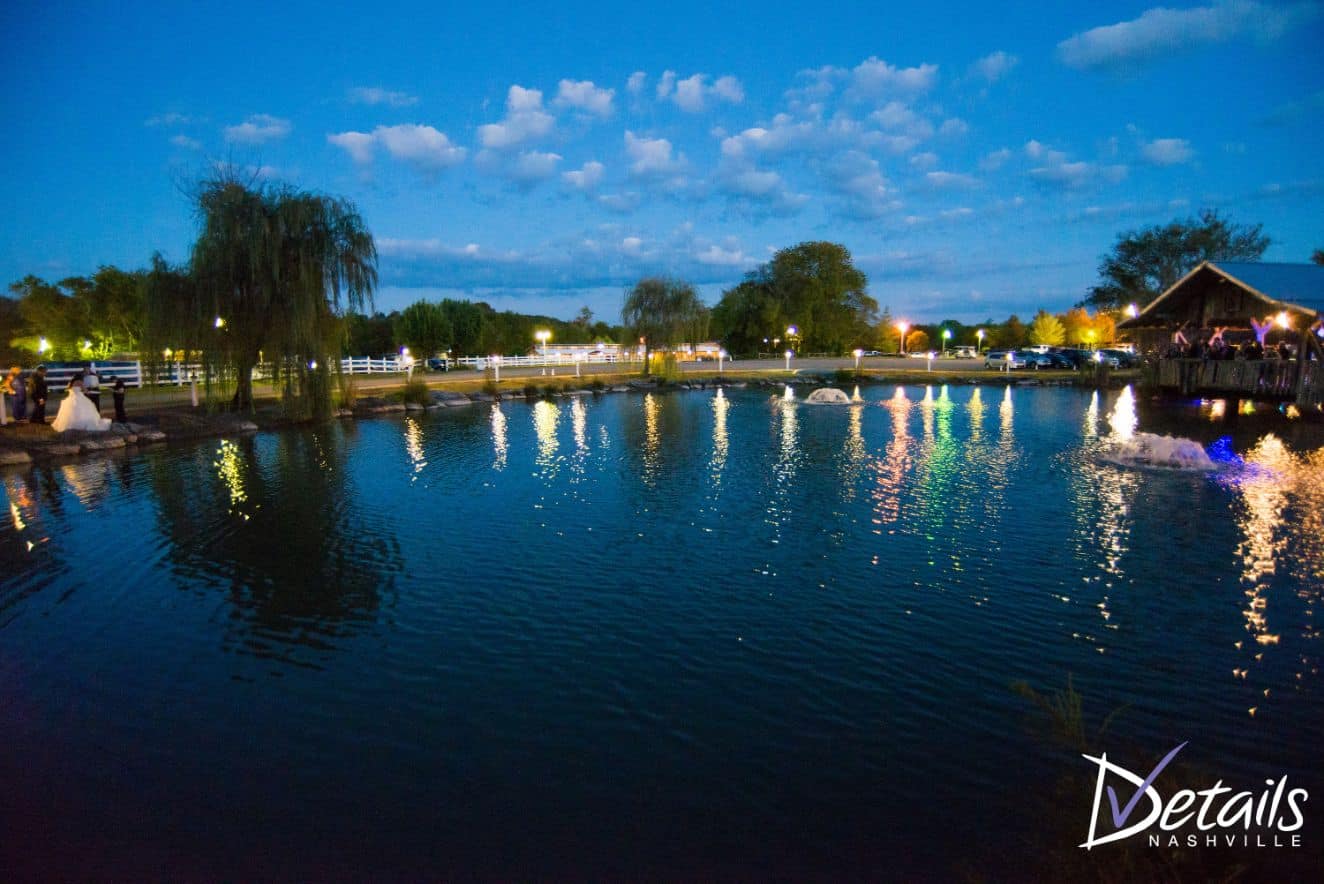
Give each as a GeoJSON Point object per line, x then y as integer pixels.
{"type": "Point", "coordinates": [437, 363]}
{"type": "Point", "coordinates": [1074, 356]}
{"type": "Point", "coordinates": [870, 353]}
{"type": "Point", "coordinates": [1001, 359]}
{"type": "Point", "coordinates": [1124, 358]}
{"type": "Point", "coordinates": [964, 353]}
{"type": "Point", "coordinates": [1034, 359]}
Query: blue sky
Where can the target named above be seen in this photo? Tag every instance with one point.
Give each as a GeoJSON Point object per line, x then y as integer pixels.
{"type": "Point", "coordinates": [975, 158]}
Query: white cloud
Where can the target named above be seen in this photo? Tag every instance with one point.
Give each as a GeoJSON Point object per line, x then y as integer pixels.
{"type": "Point", "coordinates": [635, 84]}
{"type": "Point", "coordinates": [994, 160]}
{"type": "Point", "coordinates": [995, 65]}
{"type": "Point", "coordinates": [375, 95]}
{"type": "Point", "coordinates": [584, 96]}
{"type": "Point", "coordinates": [717, 255]}
{"type": "Point", "coordinates": [856, 177]}
{"type": "Point", "coordinates": [1162, 31]}
{"type": "Point", "coordinates": [926, 160]}
{"type": "Point", "coordinates": [525, 121]}
{"type": "Point", "coordinates": [875, 78]}
{"type": "Point", "coordinates": [896, 116]}
{"type": "Point", "coordinates": [185, 142]}
{"type": "Point", "coordinates": [651, 156]}
{"type": "Point", "coordinates": [357, 144]}
{"type": "Point", "coordinates": [693, 93]}
{"type": "Point", "coordinates": [784, 134]}
{"type": "Point", "coordinates": [1078, 174]}
{"type": "Point", "coordinates": [422, 147]}
{"type": "Point", "coordinates": [951, 180]}
{"type": "Point", "coordinates": [631, 244]}
{"type": "Point", "coordinates": [588, 177]}
{"type": "Point", "coordinates": [666, 84]}
{"type": "Point", "coordinates": [953, 127]}
{"type": "Point", "coordinates": [1167, 151]}
{"type": "Point", "coordinates": [1056, 168]}
{"type": "Point", "coordinates": [533, 166]}
{"type": "Point", "coordinates": [258, 129]}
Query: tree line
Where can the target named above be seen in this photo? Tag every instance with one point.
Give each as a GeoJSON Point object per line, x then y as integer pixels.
{"type": "Point", "coordinates": [287, 277]}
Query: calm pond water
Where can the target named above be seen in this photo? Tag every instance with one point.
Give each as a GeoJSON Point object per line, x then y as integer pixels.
{"type": "Point", "coordinates": [699, 634]}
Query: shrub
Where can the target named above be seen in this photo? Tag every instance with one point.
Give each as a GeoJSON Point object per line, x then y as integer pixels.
{"type": "Point", "coordinates": [416, 391]}
{"type": "Point", "coordinates": [845, 376]}
{"type": "Point", "coordinates": [491, 387]}
{"type": "Point", "coordinates": [530, 391]}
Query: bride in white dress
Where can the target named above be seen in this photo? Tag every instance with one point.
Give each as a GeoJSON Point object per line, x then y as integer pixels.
{"type": "Point", "coordinates": [78, 413]}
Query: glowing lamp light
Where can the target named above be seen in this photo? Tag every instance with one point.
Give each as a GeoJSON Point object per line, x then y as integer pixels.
{"type": "Point", "coordinates": [1283, 320]}
{"type": "Point", "coordinates": [903, 327]}
{"type": "Point", "coordinates": [947, 333]}
{"type": "Point", "coordinates": [1098, 357]}
{"type": "Point", "coordinates": [313, 365]}
{"type": "Point", "coordinates": [220, 323]}
{"type": "Point", "coordinates": [43, 345]}
{"type": "Point", "coordinates": [1132, 310]}
{"type": "Point", "coordinates": [166, 352]}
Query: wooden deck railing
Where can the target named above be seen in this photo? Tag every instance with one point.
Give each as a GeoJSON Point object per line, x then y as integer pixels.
{"type": "Point", "coordinates": [1276, 379]}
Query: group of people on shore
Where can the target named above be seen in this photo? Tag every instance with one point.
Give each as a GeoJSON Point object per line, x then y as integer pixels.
{"type": "Point", "coordinates": [26, 397]}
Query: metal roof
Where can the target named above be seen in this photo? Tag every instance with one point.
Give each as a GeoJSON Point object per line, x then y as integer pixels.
{"type": "Point", "coordinates": [1299, 284]}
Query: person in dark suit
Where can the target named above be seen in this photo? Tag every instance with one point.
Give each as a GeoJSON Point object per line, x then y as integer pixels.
{"type": "Point", "coordinates": [38, 397]}
{"type": "Point", "coordinates": [118, 392]}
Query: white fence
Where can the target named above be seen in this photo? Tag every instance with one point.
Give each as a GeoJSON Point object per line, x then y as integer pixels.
{"type": "Point", "coordinates": [178, 374]}
{"type": "Point", "coordinates": [481, 363]}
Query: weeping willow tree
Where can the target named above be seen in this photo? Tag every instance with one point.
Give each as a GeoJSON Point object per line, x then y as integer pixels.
{"type": "Point", "coordinates": [269, 279]}
{"type": "Point", "coordinates": [662, 311]}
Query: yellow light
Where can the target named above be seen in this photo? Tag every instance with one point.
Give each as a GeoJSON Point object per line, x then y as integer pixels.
{"type": "Point", "coordinates": [857, 353]}
{"type": "Point", "coordinates": [166, 352]}
{"type": "Point", "coordinates": [220, 323]}
{"type": "Point", "coordinates": [1132, 310]}
{"type": "Point", "coordinates": [903, 326]}
{"type": "Point", "coordinates": [43, 345]}
{"type": "Point", "coordinates": [1283, 320]}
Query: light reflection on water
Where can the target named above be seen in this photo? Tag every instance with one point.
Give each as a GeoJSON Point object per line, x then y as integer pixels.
{"type": "Point", "coordinates": [812, 601]}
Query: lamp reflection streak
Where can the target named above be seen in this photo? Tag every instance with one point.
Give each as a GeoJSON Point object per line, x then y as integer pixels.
{"type": "Point", "coordinates": [500, 443]}
{"type": "Point", "coordinates": [414, 447]}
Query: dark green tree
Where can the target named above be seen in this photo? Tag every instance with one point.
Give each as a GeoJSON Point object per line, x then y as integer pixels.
{"type": "Point", "coordinates": [423, 328]}
{"type": "Point", "coordinates": [813, 287]}
{"type": "Point", "coordinates": [1318, 256]}
{"type": "Point", "coordinates": [1145, 263]}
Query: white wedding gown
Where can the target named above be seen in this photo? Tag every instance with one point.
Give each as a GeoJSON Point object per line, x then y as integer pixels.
{"type": "Point", "coordinates": [78, 413]}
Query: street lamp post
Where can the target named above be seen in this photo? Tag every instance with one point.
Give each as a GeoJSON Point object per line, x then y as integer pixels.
{"type": "Point", "coordinates": [721, 354]}
{"type": "Point", "coordinates": [857, 353]}
{"type": "Point", "coordinates": [788, 360]}
{"type": "Point", "coordinates": [542, 335]}
{"type": "Point", "coordinates": [946, 336]}
{"type": "Point", "coordinates": [903, 327]}
{"type": "Point", "coordinates": [979, 335]}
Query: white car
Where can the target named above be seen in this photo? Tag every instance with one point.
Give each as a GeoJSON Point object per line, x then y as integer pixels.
{"type": "Point", "coordinates": [1001, 359]}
